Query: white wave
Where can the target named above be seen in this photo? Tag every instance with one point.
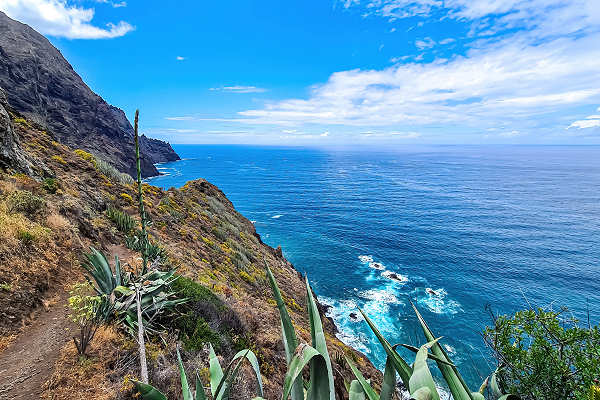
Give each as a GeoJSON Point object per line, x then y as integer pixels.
{"type": "Point", "coordinates": [449, 349]}
{"type": "Point", "coordinates": [277, 216]}
{"type": "Point", "coordinates": [394, 276]}
{"type": "Point", "coordinates": [435, 300]}
{"type": "Point", "coordinates": [365, 259]}
{"type": "Point", "coordinates": [253, 221]}
{"type": "Point", "coordinates": [377, 266]}
{"type": "Point", "coordinates": [380, 296]}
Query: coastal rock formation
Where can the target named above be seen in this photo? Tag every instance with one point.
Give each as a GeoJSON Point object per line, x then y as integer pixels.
{"type": "Point", "coordinates": [42, 86]}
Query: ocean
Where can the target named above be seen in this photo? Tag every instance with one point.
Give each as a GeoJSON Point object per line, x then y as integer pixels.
{"type": "Point", "coordinates": [452, 228]}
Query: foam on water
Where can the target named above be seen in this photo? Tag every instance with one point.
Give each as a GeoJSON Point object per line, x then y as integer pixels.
{"type": "Point", "coordinates": [277, 216]}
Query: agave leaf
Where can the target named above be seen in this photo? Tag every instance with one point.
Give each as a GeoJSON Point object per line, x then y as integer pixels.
{"type": "Point", "coordinates": [478, 396]}
{"type": "Point", "coordinates": [484, 385]}
{"type": "Point", "coordinates": [185, 388]}
{"type": "Point", "coordinates": [365, 386]}
{"type": "Point", "coordinates": [251, 357]}
{"type": "Point", "coordinates": [421, 376]}
{"type": "Point", "coordinates": [388, 386]}
{"type": "Point", "coordinates": [148, 392]}
{"type": "Point", "coordinates": [222, 391]}
{"type": "Point", "coordinates": [199, 388]}
{"type": "Point", "coordinates": [117, 271]}
{"type": "Point", "coordinates": [356, 391]}
{"type": "Point", "coordinates": [455, 382]}
{"type": "Point", "coordinates": [303, 355]}
{"type": "Point", "coordinates": [288, 332]}
{"type": "Point", "coordinates": [509, 397]}
{"type": "Point", "coordinates": [429, 355]}
{"type": "Point", "coordinates": [401, 366]}
{"type": "Point", "coordinates": [494, 389]}
{"type": "Point", "coordinates": [97, 266]}
{"type": "Point", "coordinates": [216, 372]}
{"type": "Point", "coordinates": [422, 394]}
{"type": "Point", "coordinates": [318, 376]}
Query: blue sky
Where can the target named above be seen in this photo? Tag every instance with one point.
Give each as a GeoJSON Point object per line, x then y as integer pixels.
{"type": "Point", "coordinates": [353, 72]}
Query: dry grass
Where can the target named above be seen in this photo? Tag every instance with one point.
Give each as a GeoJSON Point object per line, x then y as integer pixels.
{"type": "Point", "coordinates": [86, 378]}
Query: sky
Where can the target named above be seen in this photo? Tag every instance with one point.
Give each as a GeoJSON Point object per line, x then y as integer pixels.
{"type": "Point", "coordinates": [338, 72]}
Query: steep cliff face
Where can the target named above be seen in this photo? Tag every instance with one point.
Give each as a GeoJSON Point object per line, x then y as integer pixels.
{"type": "Point", "coordinates": [40, 84]}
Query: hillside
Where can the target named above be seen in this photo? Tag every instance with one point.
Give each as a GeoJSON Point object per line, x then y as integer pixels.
{"type": "Point", "coordinates": [53, 202]}
{"type": "Point", "coordinates": [41, 85]}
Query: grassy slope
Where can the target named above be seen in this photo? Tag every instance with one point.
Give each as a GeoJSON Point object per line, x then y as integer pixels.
{"type": "Point", "coordinates": [206, 240]}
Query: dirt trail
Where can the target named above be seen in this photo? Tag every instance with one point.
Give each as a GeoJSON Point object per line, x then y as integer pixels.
{"type": "Point", "coordinates": [29, 361]}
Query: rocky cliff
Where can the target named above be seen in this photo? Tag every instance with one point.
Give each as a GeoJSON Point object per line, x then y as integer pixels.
{"type": "Point", "coordinates": [42, 86]}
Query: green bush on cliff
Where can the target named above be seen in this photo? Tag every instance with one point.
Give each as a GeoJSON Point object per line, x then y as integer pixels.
{"type": "Point", "coordinates": [545, 354]}
{"type": "Point", "coordinates": [50, 185]}
{"type": "Point", "coordinates": [206, 318]}
{"type": "Point", "coordinates": [124, 222]}
{"type": "Point", "coordinates": [25, 202]}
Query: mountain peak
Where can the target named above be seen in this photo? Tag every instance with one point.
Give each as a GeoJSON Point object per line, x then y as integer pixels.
{"type": "Point", "coordinates": [40, 84]}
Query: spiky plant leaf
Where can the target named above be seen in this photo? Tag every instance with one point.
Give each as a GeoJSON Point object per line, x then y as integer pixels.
{"type": "Point", "coordinates": [422, 394]}
{"type": "Point", "coordinates": [231, 371]}
{"type": "Point", "coordinates": [199, 388]}
{"type": "Point", "coordinates": [303, 355]}
{"type": "Point", "coordinates": [98, 268]}
{"type": "Point", "coordinates": [356, 392]}
{"type": "Point", "coordinates": [421, 376]}
{"type": "Point", "coordinates": [251, 357]}
{"type": "Point", "coordinates": [388, 386]}
{"type": "Point", "coordinates": [509, 397]}
{"type": "Point", "coordinates": [456, 383]}
{"type": "Point", "coordinates": [318, 376]}
{"type": "Point", "coordinates": [216, 372]}
{"type": "Point", "coordinates": [401, 366]}
{"type": "Point", "coordinates": [148, 392]}
{"type": "Point", "coordinates": [494, 389]}
{"type": "Point", "coordinates": [365, 386]}
{"type": "Point", "coordinates": [429, 355]}
{"type": "Point", "coordinates": [288, 332]}
{"type": "Point", "coordinates": [185, 388]}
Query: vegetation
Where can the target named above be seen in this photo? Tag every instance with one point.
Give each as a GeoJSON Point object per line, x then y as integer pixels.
{"type": "Point", "coordinates": [88, 312]}
{"type": "Point", "coordinates": [125, 222]}
{"type": "Point", "coordinates": [545, 354]}
{"type": "Point", "coordinates": [50, 185]}
{"type": "Point", "coordinates": [25, 202]}
{"type": "Point", "coordinates": [112, 173]}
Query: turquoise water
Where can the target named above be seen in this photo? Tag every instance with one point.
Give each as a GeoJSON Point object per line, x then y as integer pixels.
{"type": "Point", "coordinates": [459, 226]}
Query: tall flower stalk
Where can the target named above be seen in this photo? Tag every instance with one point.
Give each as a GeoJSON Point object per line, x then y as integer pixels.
{"type": "Point", "coordinates": [141, 196]}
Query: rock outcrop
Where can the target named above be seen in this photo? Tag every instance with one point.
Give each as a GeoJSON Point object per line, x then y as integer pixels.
{"type": "Point", "coordinates": [42, 86]}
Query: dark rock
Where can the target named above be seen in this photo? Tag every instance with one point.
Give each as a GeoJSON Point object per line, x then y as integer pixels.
{"type": "Point", "coordinates": [11, 155]}
{"type": "Point", "coordinates": [42, 86]}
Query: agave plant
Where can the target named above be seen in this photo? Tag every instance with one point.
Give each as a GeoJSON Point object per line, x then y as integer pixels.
{"type": "Point", "coordinates": [417, 378]}
{"type": "Point", "coordinates": [156, 298]}
{"type": "Point", "coordinates": [320, 385]}
{"type": "Point", "coordinates": [220, 380]}
{"type": "Point", "coordinates": [125, 222]}
{"type": "Point", "coordinates": [99, 269]}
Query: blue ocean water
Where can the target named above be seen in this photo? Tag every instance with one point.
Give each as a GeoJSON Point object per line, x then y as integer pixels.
{"type": "Point", "coordinates": [452, 228]}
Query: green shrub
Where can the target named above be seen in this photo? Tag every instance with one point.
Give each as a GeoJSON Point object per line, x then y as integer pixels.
{"type": "Point", "coordinates": [545, 354]}
{"type": "Point", "coordinates": [219, 233]}
{"type": "Point", "coordinates": [26, 237]}
{"type": "Point", "coordinates": [125, 222]}
{"type": "Point", "coordinates": [50, 185]}
{"type": "Point", "coordinates": [207, 319]}
{"type": "Point", "coordinates": [112, 173]}
{"type": "Point", "coordinates": [25, 202]}
{"type": "Point", "coordinates": [136, 242]}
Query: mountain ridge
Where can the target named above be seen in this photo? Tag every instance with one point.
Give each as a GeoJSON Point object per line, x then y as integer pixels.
{"type": "Point", "coordinates": [40, 84]}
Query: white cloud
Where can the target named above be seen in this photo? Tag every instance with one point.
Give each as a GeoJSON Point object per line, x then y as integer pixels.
{"type": "Point", "coordinates": [58, 18]}
{"type": "Point", "coordinates": [507, 83]}
{"type": "Point", "coordinates": [324, 134]}
{"type": "Point", "coordinates": [180, 58]}
{"type": "Point", "coordinates": [239, 89]}
{"type": "Point", "coordinates": [426, 43]}
{"type": "Point", "coordinates": [184, 118]}
{"type": "Point", "coordinates": [592, 121]}
{"type": "Point", "coordinates": [113, 4]}
{"type": "Point", "coordinates": [447, 41]}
